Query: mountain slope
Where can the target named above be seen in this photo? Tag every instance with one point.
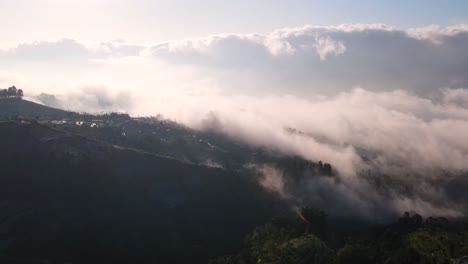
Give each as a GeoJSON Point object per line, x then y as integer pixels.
{"type": "Point", "coordinates": [13, 107]}
{"type": "Point", "coordinates": [66, 198]}
{"type": "Point", "coordinates": [158, 136]}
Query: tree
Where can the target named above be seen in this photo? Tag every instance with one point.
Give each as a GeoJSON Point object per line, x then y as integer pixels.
{"type": "Point", "coordinates": [12, 91]}
{"type": "Point", "coordinates": [355, 253]}
{"type": "Point", "coordinates": [327, 168]}
{"type": "Point", "coordinates": [20, 93]}
{"type": "Point", "coordinates": [3, 93]}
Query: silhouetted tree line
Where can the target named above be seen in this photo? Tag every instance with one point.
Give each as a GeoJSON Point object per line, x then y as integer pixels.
{"type": "Point", "coordinates": [325, 168]}
{"type": "Point", "coordinates": [11, 92]}
{"type": "Point", "coordinates": [410, 240]}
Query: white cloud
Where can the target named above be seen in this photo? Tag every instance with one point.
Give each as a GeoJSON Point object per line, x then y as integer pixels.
{"type": "Point", "coordinates": [271, 179]}
{"type": "Point", "coordinates": [278, 46]}
{"type": "Point", "coordinates": [66, 51]}
{"type": "Point", "coordinates": [437, 34]}
{"type": "Point", "coordinates": [458, 97]}
{"type": "Point", "coordinates": [256, 86]}
{"type": "Point", "coordinates": [378, 57]}
{"type": "Point", "coordinates": [327, 46]}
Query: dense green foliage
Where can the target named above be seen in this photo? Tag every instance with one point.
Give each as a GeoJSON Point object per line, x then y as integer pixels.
{"type": "Point", "coordinates": [67, 198]}
{"type": "Point", "coordinates": [409, 240]}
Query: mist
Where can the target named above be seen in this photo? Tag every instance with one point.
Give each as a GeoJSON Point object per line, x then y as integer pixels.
{"type": "Point", "coordinates": [378, 103]}
{"type": "Point", "coordinates": [415, 146]}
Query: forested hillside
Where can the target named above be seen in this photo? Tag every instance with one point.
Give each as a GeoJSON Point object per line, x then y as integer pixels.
{"type": "Point", "coordinates": [110, 188]}
{"type": "Point", "coordinates": [67, 198]}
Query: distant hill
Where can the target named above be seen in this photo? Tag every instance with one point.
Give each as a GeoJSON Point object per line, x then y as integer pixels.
{"type": "Point", "coordinates": [67, 198]}
{"type": "Point", "coordinates": [14, 107]}
{"type": "Point", "coordinates": [158, 136]}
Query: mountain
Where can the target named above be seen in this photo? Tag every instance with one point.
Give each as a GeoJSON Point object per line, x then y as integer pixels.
{"type": "Point", "coordinates": [14, 107]}
{"type": "Point", "coordinates": [64, 197]}
{"type": "Point", "coordinates": [158, 136]}
{"type": "Point", "coordinates": [109, 188]}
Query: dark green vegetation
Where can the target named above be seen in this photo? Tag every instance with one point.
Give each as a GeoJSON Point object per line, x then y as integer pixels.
{"type": "Point", "coordinates": [339, 241]}
{"type": "Point", "coordinates": [109, 188]}
{"type": "Point", "coordinates": [11, 92]}
{"type": "Point", "coordinates": [64, 197]}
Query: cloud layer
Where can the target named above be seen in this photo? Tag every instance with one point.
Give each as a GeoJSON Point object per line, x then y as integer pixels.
{"type": "Point", "coordinates": [302, 61]}
{"type": "Point", "coordinates": [362, 97]}
{"type": "Point", "coordinates": [314, 59]}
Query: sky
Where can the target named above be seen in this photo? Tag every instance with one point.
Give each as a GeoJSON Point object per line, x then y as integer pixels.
{"type": "Point", "coordinates": [367, 85]}
{"type": "Point", "coordinates": [163, 20]}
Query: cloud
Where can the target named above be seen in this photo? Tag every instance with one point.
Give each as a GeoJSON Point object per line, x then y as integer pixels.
{"type": "Point", "coordinates": [378, 57]}
{"type": "Point", "coordinates": [327, 46]}
{"type": "Point", "coordinates": [393, 151]}
{"type": "Point", "coordinates": [67, 52]}
{"type": "Point", "coordinates": [89, 100]}
{"type": "Point", "coordinates": [361, 97]}
{"type": "Point", "coordinates": [456, 96]}
{"type": "Point", "coordinates": [302, 61]}
{"type": "Point", "coordinates": [271, 179]}
{"type": "Point", "coordinates": [438, 34]}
